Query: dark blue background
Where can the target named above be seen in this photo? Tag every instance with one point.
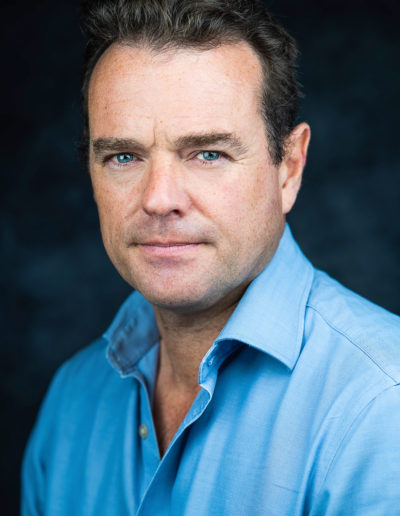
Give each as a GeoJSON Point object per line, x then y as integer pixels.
{"type": "Point", "coordinates": [59, 290]}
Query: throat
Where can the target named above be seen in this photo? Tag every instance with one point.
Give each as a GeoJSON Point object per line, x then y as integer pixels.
{"type": "Point", "coordinates": [184, 342]}
{"type": "Point", "coordinates": [170, 406]}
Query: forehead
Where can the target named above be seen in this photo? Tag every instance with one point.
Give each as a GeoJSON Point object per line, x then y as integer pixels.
{"type": "Point", "coordinates": [175, 85]}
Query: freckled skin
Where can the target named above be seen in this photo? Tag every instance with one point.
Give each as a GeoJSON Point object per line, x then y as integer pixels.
{"type": "Point", "coordinates": [234, 208]}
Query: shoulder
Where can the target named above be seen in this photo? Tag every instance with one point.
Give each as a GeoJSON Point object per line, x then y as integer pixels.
{"type": "Point", "coordinates": [353, 347]}
{"type": "Point", "coordinates": [366, 328]}
{"type": "Point", "coordinates": [76, 382]}
{"type": "Point", "coordinates": [81, 404]}
{"type": "Point", "coordinates": [84, 386]}
{"type": "Point", "coordinates": [86, 366]}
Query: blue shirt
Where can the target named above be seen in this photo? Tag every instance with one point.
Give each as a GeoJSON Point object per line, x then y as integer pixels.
{"type": "Point", "coordinates": [298, 412]}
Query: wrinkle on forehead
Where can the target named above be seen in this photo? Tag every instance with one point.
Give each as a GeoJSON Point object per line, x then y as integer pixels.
{"type": "Point", "coordinates": [118, 54]}
{"type": "Point", "coordinates": [134, 89]}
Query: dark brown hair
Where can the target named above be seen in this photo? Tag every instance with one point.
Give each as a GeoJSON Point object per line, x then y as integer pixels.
{"type": "Point", "coordinates": [204, 24]}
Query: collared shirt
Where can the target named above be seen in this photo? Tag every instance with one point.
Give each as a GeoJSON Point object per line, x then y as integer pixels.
{"type": "Point", "coordinates": [298, 412]}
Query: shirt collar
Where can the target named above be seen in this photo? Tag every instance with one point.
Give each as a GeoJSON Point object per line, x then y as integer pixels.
{"type": "Point", "coordinates": [132, 333]}
{"type": "Point", "coordinates": [269, 317]}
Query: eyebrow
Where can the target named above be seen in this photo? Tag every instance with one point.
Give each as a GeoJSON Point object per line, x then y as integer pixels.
{"type": "Point", "coordinates": [102, 146]}
{"type": "Point", "coordinates": [209, 139]}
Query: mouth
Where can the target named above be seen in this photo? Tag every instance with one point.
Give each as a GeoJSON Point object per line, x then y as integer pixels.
{"type": "Point", "coordinates": [168, 249]}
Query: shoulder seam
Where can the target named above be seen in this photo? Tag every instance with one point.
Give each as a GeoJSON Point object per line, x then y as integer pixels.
{"type": "Point", "coordinates": [352, 341]}
{"type": "Point", "coordinates": [348, 430]}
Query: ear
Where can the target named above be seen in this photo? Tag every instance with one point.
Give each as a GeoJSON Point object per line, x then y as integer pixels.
{"type": "Point", "coordinates": [292, 166]}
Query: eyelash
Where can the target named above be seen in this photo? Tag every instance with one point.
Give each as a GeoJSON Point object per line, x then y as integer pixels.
{"type": "Point", "coordinates": [204, 163]}
{"type": "Point", "coordinates": [108, 159]}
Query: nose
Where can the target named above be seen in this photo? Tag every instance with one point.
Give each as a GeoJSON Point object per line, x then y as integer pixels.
{"type": "Point", "coordinates": [164, 192]}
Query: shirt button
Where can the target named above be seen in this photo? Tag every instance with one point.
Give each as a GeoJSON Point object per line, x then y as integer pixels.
{"type": "Point", "coordinates": [143, 431]}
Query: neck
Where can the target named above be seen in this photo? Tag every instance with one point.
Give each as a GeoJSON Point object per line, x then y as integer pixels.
{"type": "Point", "coordinates": [185, 339]}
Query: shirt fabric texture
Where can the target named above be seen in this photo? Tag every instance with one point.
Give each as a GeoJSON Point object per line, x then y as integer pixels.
{"type": "Point", "coordinates": [298, 412]}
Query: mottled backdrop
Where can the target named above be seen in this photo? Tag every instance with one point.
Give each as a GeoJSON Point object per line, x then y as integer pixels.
{"type": "Point", "coordinates": [58, 289]}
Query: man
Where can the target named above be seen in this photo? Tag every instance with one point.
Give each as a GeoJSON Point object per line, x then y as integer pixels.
{"type": "Point", "coordinates": [237, 379]}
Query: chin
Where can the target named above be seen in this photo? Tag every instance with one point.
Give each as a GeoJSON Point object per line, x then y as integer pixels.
{"type": "Point", "coordinates": [177, 291]}
{"type": "Point", "coordinates": [176, 302]}
{"type": "Point", "coordinates": [177, 298]}
{"type": "Point", "coordinates": [186, 293]}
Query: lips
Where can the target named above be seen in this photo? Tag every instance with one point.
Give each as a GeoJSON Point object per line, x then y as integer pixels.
{"type": "Point", "coordinates": [167, 244]}
{"type": "Point", "coordinates": [168, 249]}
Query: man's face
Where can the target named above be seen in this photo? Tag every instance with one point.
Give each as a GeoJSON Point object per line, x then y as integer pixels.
{"type": "Point", "coordinates": [190, 204]}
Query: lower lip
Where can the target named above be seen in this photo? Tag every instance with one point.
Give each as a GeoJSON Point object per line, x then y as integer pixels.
{"type": "Point", "coordinates": [168, 250]}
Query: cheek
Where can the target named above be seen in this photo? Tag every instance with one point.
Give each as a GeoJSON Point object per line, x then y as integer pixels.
{"type": "Point", "coordinates": [258, 226]}
{"type": "Point", "coordinates": [111, 215]}
{"type": "Point", "coordinates": [266, 201]}
{"type": "Point", "coordinates": [247, 208]}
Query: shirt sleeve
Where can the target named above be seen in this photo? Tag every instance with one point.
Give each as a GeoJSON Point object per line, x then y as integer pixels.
{"type": "Point", "coordinates": [364, 476]}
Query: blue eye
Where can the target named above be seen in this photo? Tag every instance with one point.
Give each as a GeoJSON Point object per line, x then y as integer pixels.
{"type": "Point", "coordinates": [210, 155]}
{"type": "Point", "coordinates": [124, 157]}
